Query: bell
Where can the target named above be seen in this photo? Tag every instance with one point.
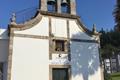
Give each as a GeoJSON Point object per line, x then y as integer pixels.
{"type": "Point", "coordinates": [51, 2]}
{"type": "Point", "coordinates": [64, 3]}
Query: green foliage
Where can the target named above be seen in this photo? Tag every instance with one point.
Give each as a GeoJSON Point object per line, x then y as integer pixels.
{"type": "Point", "coordinates": [107, 76]}
{"type": "Point", "coordinates": [110, 43]}
{"type": "Point", "coordinates": [116, 14]}
{"type": "Point", "coordinates": [108, 50]}
{"type": "Point", "coordinates": [115, 38]}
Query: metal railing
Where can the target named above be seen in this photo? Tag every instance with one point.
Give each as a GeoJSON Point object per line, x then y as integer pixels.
{"type": "Point", "coordinates": [25, 14]}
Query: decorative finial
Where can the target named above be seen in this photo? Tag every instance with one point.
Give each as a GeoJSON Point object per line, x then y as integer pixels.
{"type": "Point", "coordinates": [13, 19]}
{"type": "Point", "coordinates": [94, 29]}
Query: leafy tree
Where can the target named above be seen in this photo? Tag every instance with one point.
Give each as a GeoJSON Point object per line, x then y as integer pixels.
{"type": "Point", "coordinates": [110, 43]}
{"type": "Point", "coordinates": [116, 14]}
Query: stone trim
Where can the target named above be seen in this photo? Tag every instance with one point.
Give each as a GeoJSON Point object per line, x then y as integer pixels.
{"type": "Point", "coordinates": [83, 40]}
{"type": "Point", "coordinates": [59, 38]}
{"type": "Point", "coordinates": [43, 5]}
{"type": "Point", "coordinates": [70, 16]}
{"type": "Point", "coordinates": [73, 7]}
{"type": "Point", "coordinates": [31, 36]}
{"type": "Point", "coordinates": [59, 52]}
{"type": "Point", "coordinates": [63, 15]}
{"type": "Point", "coordinates": [53, 39]}
{"type": "Point", "coordinates": [65, 47]}
{"type": "Point", "coordinates": [52, 43]}
{"type": "Point", "coordinates": [50, 40]}
{"type": "Point", "coordinates": [68, 36]}
{"type": "Point", "coordinates": [10, 54]}
{"type": "Point", "coordinates": [59, 66]}
{"type": "Point", "coordinates": [58, 6]}
{"type": "Point", "coordinates": [102, 71]}
{"type": "Point", "coordinates": [27, 25]}
{"type": "Point", "coordinates": [101, 65]}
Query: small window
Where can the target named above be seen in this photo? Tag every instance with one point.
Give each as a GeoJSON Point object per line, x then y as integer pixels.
{"type": "Point", "coordinates": [59, 45]}
{"type": "Point", "coordinates": [60, 74]}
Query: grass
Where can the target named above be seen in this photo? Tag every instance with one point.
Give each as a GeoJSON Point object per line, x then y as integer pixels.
{"type": "Point", "coordinates": [115, 76]}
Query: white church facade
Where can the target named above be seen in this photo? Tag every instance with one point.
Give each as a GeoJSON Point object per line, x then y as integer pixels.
{"type": "Point", "coordinates": [51, 46]}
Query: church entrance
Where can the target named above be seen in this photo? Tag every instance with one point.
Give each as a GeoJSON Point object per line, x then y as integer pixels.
{"type": "Point", "coordinates": [60, 74]}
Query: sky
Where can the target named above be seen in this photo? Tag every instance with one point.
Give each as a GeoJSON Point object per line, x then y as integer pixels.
{"type": "Point", "coordinates": [98, 12]}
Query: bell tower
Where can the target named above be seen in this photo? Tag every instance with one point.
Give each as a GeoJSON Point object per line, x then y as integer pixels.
{"type": "Point", "coordinates": [59, 6]}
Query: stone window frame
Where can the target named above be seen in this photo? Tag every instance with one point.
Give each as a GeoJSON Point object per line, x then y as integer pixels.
{"type": "Point", "coordinates": [65, 46]}
{"type": "Point", "coordinates": [59, 45]}
{"type": "Point", "coordinates": [59, 66]}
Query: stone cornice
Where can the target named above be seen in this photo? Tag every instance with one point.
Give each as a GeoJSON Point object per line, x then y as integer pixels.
{"type": "Point", "coordinates": [28, 24]}
{"type": "Point", "coordinates": [63, 15]}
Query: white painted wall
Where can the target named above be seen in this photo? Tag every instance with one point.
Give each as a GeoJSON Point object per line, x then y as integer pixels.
{"type": "Point", "coordinates": [40, 29]}
{"type": "Point", "coordinates": [59, 27]}
{"type": "Point", "coordinates": [30, 59]}
{"type": "Point", "coordinates": [85, 61]}
{"type": "Point", "coordinates": [76, 31]}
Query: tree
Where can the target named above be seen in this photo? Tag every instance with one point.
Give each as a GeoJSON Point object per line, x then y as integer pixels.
{"type": "Point", "coordinates": [110, 43]}
{"type": "Point", "coordinates": [116, 14]}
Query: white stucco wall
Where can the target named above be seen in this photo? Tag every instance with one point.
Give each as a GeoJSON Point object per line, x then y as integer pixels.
{"type": "Point", "coordinates": [39, 29]}
{"type": "Point", "coordinates": [30, 59]}
{"type": "Point", "coordinates": [77, 32]}
{"type": "Point", "coordinates": [85, 61]}
{"type": "Point", "coordinates": [59, 27]}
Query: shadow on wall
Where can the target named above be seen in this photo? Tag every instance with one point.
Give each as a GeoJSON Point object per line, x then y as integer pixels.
{"type": "Point", "coordinates": [84, 59]}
